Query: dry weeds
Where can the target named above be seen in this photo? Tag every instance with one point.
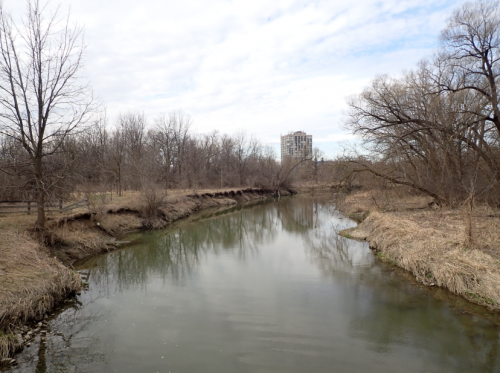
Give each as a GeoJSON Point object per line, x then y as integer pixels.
{"type": "Point", "coordinates": [390, 199]}
{"type": "Point", "coordinates": [432, 245]}
{"type": "Point", "coordinates": [30, 283]}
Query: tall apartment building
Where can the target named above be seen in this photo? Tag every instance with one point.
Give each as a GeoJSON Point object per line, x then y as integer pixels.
{"type": "Point", "coordinates": [296, 144]}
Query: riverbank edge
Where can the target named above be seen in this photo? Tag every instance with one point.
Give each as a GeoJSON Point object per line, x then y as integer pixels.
{"type": "Point", "coordinates": [432, 260]}
{"type": "Point", "coordinates": [82, 235]}
{"type": "Point", "coordinates": [85, 234]}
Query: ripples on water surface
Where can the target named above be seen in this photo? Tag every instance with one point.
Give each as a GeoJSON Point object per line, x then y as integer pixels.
{"type": "Point", "coordinates": [263, 288]}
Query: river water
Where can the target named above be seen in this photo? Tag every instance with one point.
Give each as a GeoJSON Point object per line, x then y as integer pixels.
{"type": "Point", "coordinates": [268, 287]}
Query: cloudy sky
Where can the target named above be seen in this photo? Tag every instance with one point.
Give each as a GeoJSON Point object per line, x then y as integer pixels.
{"type": "Point", "coordinates": [266, 67]}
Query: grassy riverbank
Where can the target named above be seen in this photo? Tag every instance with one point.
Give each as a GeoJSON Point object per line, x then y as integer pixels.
{"type": "Point", "coordinates": [35, 268]}
{"type": "Point", "coordinates": [31, 282]}
{"type": "Point", "coordinates": [431, 243]}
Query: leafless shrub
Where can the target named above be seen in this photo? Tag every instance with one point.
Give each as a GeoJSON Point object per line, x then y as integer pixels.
{"type": "Point", "coordinates": [152, 199]}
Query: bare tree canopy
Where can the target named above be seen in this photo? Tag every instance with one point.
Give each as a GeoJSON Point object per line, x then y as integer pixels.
{"type": "Point", "coordinates": [42, 97]}
{"type": "Point", "coordinates": [437, 128]}
{"type": "Point", "coordinates": [470, 54]}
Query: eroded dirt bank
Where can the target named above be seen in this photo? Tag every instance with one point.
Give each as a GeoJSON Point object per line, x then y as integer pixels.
{"type": "Point", "coordinates": [36, 269]}
{"type": "Point", "coordinates": [88, 233]}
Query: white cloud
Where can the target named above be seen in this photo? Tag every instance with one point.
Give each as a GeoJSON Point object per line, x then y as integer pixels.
{"type": "Point", "coordinates": [267, 66]}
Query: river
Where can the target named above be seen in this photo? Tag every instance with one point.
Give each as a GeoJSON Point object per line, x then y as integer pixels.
{"type": "Point", "coordinates": [266, 287]}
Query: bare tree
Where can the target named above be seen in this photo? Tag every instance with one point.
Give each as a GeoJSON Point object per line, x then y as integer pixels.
{"type": "Point", "coordinates": [171, 136]}
{"type": "Point", "coordinates": [180, 123]}
{"type": "Point", "coordinates": [116, 153]}
{"type": "Point", "coordinates": [133, 125]}
{"type": "Point", "coordinates": [163, 139]}
{"type": "Point", "coordinates": [42, 97]}
{"type": "Point", "coordinates": [226, 150]}
{"type": "Point", "coordinates": [470, 55]}
{"type": "Point", "coordinates": [316, 156]}
{"type": "Point", "coordinates": [93, 146]}
{"type": "Point", "coordinates": [421, 136]}
{"type": "Point", "coordinates": [245, 149]}
{"type": "Point", "coordinates": [285, 173]}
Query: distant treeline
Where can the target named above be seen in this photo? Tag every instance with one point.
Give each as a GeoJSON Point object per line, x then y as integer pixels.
{"type": "Point", "coordinates": [134, 154]}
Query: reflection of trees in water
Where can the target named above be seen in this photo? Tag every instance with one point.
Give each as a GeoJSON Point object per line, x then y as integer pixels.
{"type": "Point", "coordinates": [175, 254]}
{"type": "Point", "coordinates": [401, 313]}
{"type": "Point", "coordinates": [296, 215]}
{"type": "Point", "coordinates": [71, 342]}
{"type": "Point", "coordinates": [76, 345]}
{"type": "Point", "coordinates": [334, 254]}
{"type": "Point", "coordinates": [392, 311]}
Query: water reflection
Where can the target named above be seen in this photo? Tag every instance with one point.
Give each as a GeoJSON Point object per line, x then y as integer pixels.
{"type": "Point", "coordinates": [267, 287]}
{"type": "Point", "coordinates": [392, 310]}
{"type": "Point", "coordinates": [69, 342]}
{"type": "Point", "coordinates": [444, 337]}
{"type": "Point", "coordinates": [175, 254]}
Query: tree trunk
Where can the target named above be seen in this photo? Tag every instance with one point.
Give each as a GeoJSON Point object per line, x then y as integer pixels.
{"type": "Point", "coordinates": [119, 174]}
{"type": "Point", "coordinates": [167, 176]}
{"type": "Point", "coordinates": [469, 219]}
{"type": "Point", "coordinates": [40, 195]}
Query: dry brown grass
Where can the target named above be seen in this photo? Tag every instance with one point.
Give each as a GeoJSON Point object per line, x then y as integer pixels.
{"type": "Point", "coordinates": [30, 283]}
{"type": "Point", "coordinates": [82, 233]}
{"type": "Point", "coordinates": [76, 240]}
{"type": "Point", "coordinates": [432, 245]}
{"type": "Point", "coordinates": [117, 224]}
{"type": "Point", "coordinates": [390, 199]}
{"type": "Point", "coordinates": [100, 205]}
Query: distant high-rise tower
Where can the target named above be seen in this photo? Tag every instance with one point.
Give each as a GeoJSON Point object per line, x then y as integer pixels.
{"type": "Point", "coordinates": [296, 144]}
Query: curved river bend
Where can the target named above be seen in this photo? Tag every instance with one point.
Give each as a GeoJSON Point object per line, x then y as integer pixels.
{"type": "Point", "coordinates": [269, 287]}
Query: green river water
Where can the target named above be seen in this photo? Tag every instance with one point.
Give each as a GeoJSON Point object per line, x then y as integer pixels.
{"type": "Point", "coordinates": [267, 287]}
